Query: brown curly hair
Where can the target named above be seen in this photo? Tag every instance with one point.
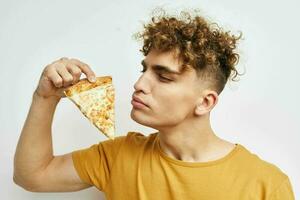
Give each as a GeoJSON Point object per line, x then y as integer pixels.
{"type": "Point", "coordinates": [197, 42]}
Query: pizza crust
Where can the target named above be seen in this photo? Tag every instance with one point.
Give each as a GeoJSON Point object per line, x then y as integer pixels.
{"type": "Point", "coordinates": [84, 85]}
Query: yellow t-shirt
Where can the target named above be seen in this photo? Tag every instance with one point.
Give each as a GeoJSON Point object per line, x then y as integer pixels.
{"type": "Point", "coordinates": [134, 167]}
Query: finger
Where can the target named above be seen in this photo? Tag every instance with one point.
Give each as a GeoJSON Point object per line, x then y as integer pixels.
{"type": "Point", "coordinates": [75, 71]}
{"type": "Point", "coordinates": [64, 59]}
{"type": "Point", "coordinates": [65, 75]}
{"type": "Point", "coordinates": [85, 69]}
{"type": "Point", "coordinates": [62, 90]}
{"type": "Point", "coordinates": [61, 60]}
{"type": "Point", "coordinates": [55, 78]}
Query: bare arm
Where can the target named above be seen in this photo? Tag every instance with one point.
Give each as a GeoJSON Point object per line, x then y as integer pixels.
{"type": "Point", "coordinates": [35, 166]}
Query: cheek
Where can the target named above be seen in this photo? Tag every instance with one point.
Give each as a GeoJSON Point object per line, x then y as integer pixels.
{"type": "Point", "coordinates": [174, 106]}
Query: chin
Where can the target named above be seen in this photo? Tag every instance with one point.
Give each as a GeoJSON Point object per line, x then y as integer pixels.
{"type": "Point", "coordinates": [135, 116]}
{"type": "Point", "coordinates": [139, 118]}
{"type": "Point", "coordinates": [144, 120]}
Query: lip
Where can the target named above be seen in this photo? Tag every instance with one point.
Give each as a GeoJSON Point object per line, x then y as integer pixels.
{"type": "Point", "coordinates": [137, 102]}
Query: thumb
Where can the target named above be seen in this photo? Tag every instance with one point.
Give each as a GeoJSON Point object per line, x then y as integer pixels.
{"type": "Point", "coordinates": [63, 91]}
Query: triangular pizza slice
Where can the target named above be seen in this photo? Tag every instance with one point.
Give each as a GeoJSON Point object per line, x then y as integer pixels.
{"type": "Point", "coordinates": [96, 101]}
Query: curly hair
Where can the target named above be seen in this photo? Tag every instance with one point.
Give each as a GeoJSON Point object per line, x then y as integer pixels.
{"type": "Point", "coordinates": [197, 42]}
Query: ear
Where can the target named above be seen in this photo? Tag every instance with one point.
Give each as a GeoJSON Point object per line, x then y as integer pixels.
{"type": "Point", "coordinates": [206, 102]}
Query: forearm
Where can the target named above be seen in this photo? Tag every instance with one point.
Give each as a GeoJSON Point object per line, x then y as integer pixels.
{"type": "Point", "coordinates": [34, 150]}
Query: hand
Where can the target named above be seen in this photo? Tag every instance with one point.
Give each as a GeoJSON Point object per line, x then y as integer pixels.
{"type": "Point", "coordinates": [60, 74]}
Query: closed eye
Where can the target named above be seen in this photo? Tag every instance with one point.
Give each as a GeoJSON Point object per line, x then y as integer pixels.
{"type": "Point", "coordinates": [164, 78]}
{"type": "Point", "coordinates": [160, 77]}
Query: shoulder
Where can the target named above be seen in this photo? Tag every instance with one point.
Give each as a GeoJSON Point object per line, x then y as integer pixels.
{"type": "Point", "coordinates": [135, 142]}
{"type": "Point", "coordinates": [132, 138]}
{"type": "Point", "coordinates": [258, 164]}
{"type": "Point", "coordinates": [137, 138]}
{"type": "Point", "coordinates": [262, 172]}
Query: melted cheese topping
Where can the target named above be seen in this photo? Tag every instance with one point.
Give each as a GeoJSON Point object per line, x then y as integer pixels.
{"type": "Point", "coordinates": [97, 105]}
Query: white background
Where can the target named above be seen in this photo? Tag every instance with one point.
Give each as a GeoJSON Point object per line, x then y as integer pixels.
{"type": "Point", "coordinates": [261, 111]}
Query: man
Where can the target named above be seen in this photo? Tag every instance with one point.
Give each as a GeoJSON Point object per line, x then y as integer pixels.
{"type": "Point", "coordinates": [187, 64]}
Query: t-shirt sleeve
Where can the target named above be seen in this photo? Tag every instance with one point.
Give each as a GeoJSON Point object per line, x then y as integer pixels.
{"type": "Point", "coordinates": [284, 191]}
{"type": "Point", "coordinates": [94, 164]}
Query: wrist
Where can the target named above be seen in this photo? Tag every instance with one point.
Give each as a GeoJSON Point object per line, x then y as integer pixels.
{"type": "Point", "coordinates": [38, 97]}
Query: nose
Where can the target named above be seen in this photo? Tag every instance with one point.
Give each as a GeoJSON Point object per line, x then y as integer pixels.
{"type": "Point", "coordinates": [142, 84]}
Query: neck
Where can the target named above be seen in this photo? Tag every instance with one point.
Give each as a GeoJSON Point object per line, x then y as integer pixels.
{"type": "Point", "coordinates": [193, 142]}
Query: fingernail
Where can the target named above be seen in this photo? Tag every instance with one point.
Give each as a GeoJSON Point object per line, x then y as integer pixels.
{"type": "Point", "coordinates": [93, 79]}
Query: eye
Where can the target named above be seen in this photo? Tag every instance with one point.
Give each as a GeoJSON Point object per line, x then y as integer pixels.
{"type": "Point", "coordinates": [164, 79]}
{"type": "Point", "coordinates": [160, 77]}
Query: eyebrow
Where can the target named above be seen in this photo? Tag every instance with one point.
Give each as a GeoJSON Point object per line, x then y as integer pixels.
{"type": "Point", "coordinates": [161, 68]}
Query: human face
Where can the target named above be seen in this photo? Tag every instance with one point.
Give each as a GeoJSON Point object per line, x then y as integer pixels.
{"type": "Point", "coordinates": [169, 98]}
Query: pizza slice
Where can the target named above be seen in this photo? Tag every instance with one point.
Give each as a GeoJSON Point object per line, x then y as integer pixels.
{"type": "Point", "coordinates": [96, 102]}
